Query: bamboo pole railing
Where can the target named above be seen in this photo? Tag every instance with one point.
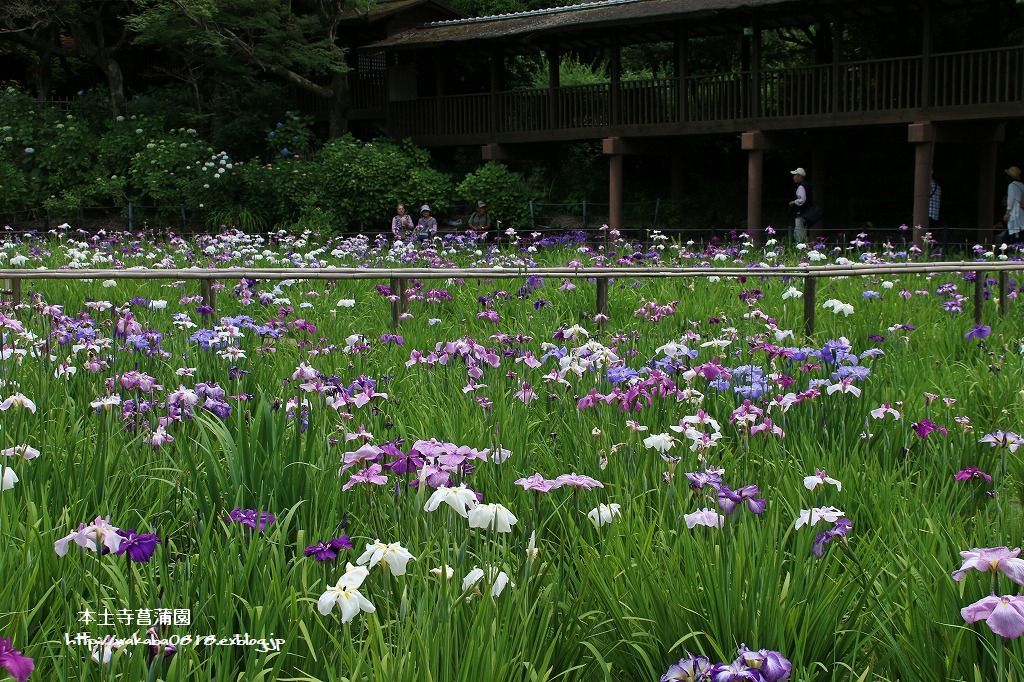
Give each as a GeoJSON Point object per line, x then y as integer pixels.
{"type": "Point", "coordinates": [399, 277]}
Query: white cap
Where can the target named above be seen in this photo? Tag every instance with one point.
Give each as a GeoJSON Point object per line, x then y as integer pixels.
{"type": "Point", "coordinates": [424, 207]}
{"type": "Point", "coordinates": [798, 171]}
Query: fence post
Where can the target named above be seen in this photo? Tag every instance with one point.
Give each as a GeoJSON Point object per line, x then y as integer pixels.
{"type": "Point", "coordinates": [810, 291]}
{"type": "Point", "coordinates": [209, 296]}
{"type": "Point", "coordinates": [657, 206]}
{"type": "Point", "coordinates": [1004, 303]}
{"type": "Point", "coordinates": [979, 296]}
{"type": "Point", "coordinates": [584, 214]}
{"type": "Point", "coordinates": [403, 283]}
{"type": "Point", "coordinates": [533, 224]}
{"type": "Point", "coordinates": [602, 297]}
{"type": "Point", "coordinates": [184, 221]}
{"type": "Point", "coordinates": [396, 305]}
{"type": "Point", "coordinates": [131, 217]}
{"type": "Point", "coordinates": [15, 291]}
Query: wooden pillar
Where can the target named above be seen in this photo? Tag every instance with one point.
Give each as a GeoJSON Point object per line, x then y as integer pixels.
{"type": "Point", "coordinates": [837, 60]}
{"type": "Point", "coordinates": [755, 69]}
{"type": "Point", "coordinates": [987, 160]}
{"type": "Point", "coordinates": [810, 294]}
{"type": "Point", "coordinates": [754, 143]}
{"type": "Point", "coordinates": [1004, 301]}
{"type": "Point", "coordinates": [602, 296]}
{"type": "Point", "coordinates": [615, 163]}
{"type": "Point", "coordinates": [497, 78]}
{"type": "Point", "coordinates": [15, 291]}
{"type": "Point", "coordinates": [209, 296]}
{"type": "Point", "coordinates": [979, 296]}
{"type": "Point", "coordinates": [554, 82]}
{"type": "Point", "coordinates": [682, 59]}
{"type": "Point", "coordinates": [615, 80]}
{"type": "Point", "coordinates": [926, 53]}
{"type": "Point", "coordinates": [922, 136]}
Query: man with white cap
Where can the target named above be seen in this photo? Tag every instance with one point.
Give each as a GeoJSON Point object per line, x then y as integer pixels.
{"type": "Point", "coordinates": [807, 213]}
{"type": "Point", "coordinates": [1014, 216]}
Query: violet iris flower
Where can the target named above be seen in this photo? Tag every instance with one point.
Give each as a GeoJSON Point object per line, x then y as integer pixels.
{"type": "Point", "coordinates": [1004, 615]}
{"type": "Point", "coordinates": [537, 484]}
{"type": "Point", "coordinates": [19, 667]}
{"type": "Point", "coordinates": [838, 531]}
{"type": "Point", "coordinates": [159, 650]}
{"type": "Point", "coordinates": [972, 473]}
{"type": "Point", "coordinates": [736, 671]}
{"type": "Point", "coordinates": [1002, 559]}
{"type": "Point", "coordinates": [699, 479]}
{"type": "Point", "coordinates": [773, 666]}
{"type": "Point", "coordinates": [689, 669]}
{"type": "Point", "coordinates": [257, 520]}
{"type": "Point", "coordinates": [729, 500]}
{"type": "Point", "coordinates": [926, 426]}
{"type": "Point", "coordinates": [979, 332]}
{"type": "Point", "coordinates": [371, 474]}
{"type": "Point", "coordinates": [328, 549]}
{"type": "Point", "coordinates": [577, 481]}
{"type": "Point", "coordinates": [138, 546]}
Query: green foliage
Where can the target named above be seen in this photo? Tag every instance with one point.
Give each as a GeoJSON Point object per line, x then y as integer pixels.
{"type": "Point", "coordinates": [360, 183]}
{"type": "Point", "coordinates": [505, 192]}
{"type": "Point", "coordinates": [174, 169]}
{"type": "Point", "coordinates": [291, 136]}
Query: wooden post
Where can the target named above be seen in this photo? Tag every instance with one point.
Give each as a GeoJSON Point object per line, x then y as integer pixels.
{"type": "Point", "coordinates": [837, 59]}
{"type": "Point", "coordinates": [554, 83]}
{"type": "Point", "coordinates": [810, 291]}
{"type": "Point", "coordinates": [682, 55]}
{"type": "Point", "coordinates": [396, 305]}
{"type": "Point", "coordinates": [987, 160]}
{"type": "Point", "coordinates": [755, 70]}
{"type": "Point", "coordinates": [755, 185]}
{"type": "Point", "coordinates": [602, 296]}
{"type": "Point", "coordinates": [15, 291]}
{"type": "Point", "coordinates": [922, 136]}
{"type": "Point", "coordinates": [615, 191]}
{"type": "Point", "coordinates": [1004, 302]}
{"type": "Point", "coordinates": [209, 296]}
{"type": "Point", "coordinates": [403, 284]}
{"type": "Point", "coordinates": [615, 80]}
{"type": "Point", "coordinates": [979, 296]}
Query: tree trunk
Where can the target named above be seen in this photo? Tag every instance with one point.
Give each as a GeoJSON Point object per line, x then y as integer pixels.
{"type": "Point", "coordinates": [339, 105]}
{"type": "Point", "coordinates": [41, 76]}
{"type": "Point", "coordinates": [115, 83]}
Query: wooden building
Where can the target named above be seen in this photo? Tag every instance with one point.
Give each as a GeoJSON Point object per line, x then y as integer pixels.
{"type": "Point", "coordinates": [964, 96]}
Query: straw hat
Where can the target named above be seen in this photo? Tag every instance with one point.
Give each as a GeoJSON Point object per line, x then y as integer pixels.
{"type": "Point", "coordinates": [1013, 172]}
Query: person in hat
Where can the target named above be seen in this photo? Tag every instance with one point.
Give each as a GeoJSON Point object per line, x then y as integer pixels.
{"type": "Point", "coordinates": [1014, 216]}
{"type": "Point", "coordinates": [480, 222]}
{"type": "Point", "coordinates": [806, 213]}
{"type": "Point", "coordinates": [401, 224]}
{"type": "Point", "coordinates": [426, 226]}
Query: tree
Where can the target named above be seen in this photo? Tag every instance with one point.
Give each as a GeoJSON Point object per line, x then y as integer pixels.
{"type": "Point", "coordinates": [94, 30]}
{"type": "Point", "coordinates": [294, 41]}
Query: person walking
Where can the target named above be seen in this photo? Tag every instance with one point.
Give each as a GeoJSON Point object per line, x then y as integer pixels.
{"type": "Point", "coordinates": [426, 227]}
{"type": "Point", "coordinates": [1014, 216]}
{"type": "Point", "coordinates": [401, 224]}
{"type": "Point", "coordinates": [806, 211]}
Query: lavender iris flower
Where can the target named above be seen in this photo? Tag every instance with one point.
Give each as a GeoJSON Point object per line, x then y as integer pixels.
{"type": "Point", "coordinates": [735, 672]}
{"type": "Point", "coordinates": [979, 332]}
{"type": "Point", "coordinates": [839, 530]}
{"type": "Point", "coordinates": [689, 669]}
{"type": "Point", "coordinates": [773, 666]}
{"type": "Point", "coordinates": [729, 500]}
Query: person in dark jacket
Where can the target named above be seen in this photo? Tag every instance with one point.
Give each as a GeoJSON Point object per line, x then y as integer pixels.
{"type": "Point", "coordinates": [806, 212]}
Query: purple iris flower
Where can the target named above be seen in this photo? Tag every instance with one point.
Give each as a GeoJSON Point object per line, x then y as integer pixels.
{"type": "Point", "coordinates": [979, 332]}
{"type": "Point", "coordinates": [729, 500]}
{"type": "Point", "coordinates": [577, 481]}
{"type": "Point", "coordinates": [839, 530]}
{"type": "Point", "coordinates": [699, 479]}
{"type": "Point", "coordinates": [257, 520]}
{"type": "Point", "coordinates": [20, 667]}
{"type": "Point", "coordinates": [159, 650]}
{"type": "Point", "coordinates": [689, 669]}
{"type": "Point", "coordinates": [971, 474]}
{"type": "Point", "coordinates": [328, 550]}
{"type": "Point", "coordinates": [773, 666]}
{"type": "Point", "coordinates": [138, 546]}
{"type": "Point", "coordinates": [736, 671]}
{"type": "Point", "coordinates": [926, 426]}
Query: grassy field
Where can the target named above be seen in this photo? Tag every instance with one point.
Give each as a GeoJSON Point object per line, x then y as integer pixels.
{"type": "Point", "coordinates": [297, 402]}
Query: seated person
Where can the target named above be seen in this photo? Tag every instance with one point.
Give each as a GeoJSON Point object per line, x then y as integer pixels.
{"type": "Point", "coordinates": [426, 227]}
{"type": "Point", "coordinates": [480, 220]}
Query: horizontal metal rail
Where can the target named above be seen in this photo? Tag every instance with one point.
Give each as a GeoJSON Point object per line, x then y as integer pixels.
{"type": "Point", "coordinates": [398, 277]}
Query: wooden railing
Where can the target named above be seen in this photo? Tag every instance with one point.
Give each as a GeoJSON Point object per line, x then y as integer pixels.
{"type": "Point", "coordinates": [976, 79]}
{"type": "Point", "coordinates": [398, 278]}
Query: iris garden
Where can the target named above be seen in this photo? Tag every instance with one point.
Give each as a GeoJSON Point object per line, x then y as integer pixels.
{"type": "Point", "coordinates": [506, 486]}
